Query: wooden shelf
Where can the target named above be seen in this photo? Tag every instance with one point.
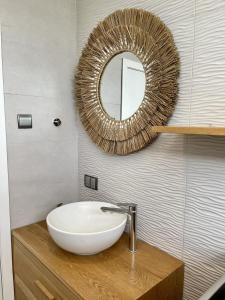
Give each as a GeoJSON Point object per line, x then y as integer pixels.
{"type": "Point", "coordinates": [215, 131]}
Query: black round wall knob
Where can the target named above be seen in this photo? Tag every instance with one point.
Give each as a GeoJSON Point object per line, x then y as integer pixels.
{"type": "Point", "coordinates": [57, 122]}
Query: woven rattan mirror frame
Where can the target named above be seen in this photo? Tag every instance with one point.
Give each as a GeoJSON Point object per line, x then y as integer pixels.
{"type": "Point", "coordinates": [146, 36]}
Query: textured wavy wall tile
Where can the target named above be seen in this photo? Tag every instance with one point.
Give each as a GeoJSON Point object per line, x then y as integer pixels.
{"type": "Point", "coordinates": [208, 96]}
{"type": "Point", "coordinates": [204, 236]}
{"type": "Point", "coordinates": [153, 178]}
{"type": "Point", "coordinates": [204, 239]}
{"type": "Point", "coordinates": [170, 11]}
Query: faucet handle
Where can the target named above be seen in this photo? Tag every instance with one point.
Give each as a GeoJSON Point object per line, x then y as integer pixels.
{"type": "Point", "coordinates": [132, 206]}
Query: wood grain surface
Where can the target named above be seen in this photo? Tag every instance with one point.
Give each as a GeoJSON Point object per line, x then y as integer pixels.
{"type": "Point", "coordinates": [215, 131]}
{"type": "Point", "coordinates": [113, 274]}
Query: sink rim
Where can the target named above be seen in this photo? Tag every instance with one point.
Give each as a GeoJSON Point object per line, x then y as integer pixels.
{"type": "Point", "coordinates": [85, 233]}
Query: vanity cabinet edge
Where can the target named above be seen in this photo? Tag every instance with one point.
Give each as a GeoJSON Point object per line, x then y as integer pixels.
{"type": "Point", "coordinates": [33, 280]}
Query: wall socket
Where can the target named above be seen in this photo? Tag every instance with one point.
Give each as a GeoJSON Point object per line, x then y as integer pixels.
{"type": "Point", "coordinates": [91, 182]}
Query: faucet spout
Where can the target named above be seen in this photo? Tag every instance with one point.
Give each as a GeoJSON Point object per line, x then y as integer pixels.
{"type": "Point", "coordinates": [114, 209]}
{"type": "Point", "coordinates": [131, 210]}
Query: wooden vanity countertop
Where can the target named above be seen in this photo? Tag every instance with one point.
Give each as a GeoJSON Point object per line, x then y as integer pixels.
{"type": "Point", "coordinates": [115, 273]}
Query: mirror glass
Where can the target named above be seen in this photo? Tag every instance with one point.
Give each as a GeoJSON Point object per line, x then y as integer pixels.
{"type": "Point", "coordinates": [122, 86]}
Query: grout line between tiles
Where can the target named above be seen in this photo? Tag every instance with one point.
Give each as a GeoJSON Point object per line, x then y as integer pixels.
{"type": "Point", "coordinates": [193, 59]}
{"type": "Point", "coordinates": [186, 143]}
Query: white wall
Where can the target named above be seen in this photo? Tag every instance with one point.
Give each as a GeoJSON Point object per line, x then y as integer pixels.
{"type": "Point", "coordinates": [0, 286]}
{"type": "Point", "coordinates": [39, 54]}
{"type": "Point", "coordinates": [6, 278]}
{"type": "Point", "coordinates": [178, 182]}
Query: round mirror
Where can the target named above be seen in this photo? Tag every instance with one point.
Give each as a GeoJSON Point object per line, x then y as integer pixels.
{"type": "Point", "coordinates": [122, 86]}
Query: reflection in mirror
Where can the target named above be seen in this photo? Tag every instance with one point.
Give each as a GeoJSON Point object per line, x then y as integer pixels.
{"type": "Point", "coordinates": [122, 86]}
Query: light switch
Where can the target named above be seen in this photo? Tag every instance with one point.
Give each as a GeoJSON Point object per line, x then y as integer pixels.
{"type": "Point", "coordinates": [91, 182]}
{"type": "Point", "coordinates": [24, 121]}
{"type": "Point", "coordinates": [87, 181]}
{"type": "Point", "coordinates": [94, 183]}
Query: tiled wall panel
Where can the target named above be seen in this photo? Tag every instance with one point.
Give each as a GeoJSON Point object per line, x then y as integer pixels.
{"type": "Point", "coordinates": [178, 182]}
{"type": "Point", "coordinates": [39, 54]}
{"type": "Point", "coordinates": [204, 239]}
{"type": "Point", "coordinates": [204, 248]}
{"type": "Point", "coordinates": [138, 178]}
{"type": "Point", "coordinates": [208, 104]}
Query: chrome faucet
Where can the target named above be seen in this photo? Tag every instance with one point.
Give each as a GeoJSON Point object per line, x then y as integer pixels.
{"type": "Point", "coordinates": [131, 210]}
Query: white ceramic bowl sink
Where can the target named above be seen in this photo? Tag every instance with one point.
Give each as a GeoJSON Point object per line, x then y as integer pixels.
{"type": "Point", "coordinates": [83, 228]}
